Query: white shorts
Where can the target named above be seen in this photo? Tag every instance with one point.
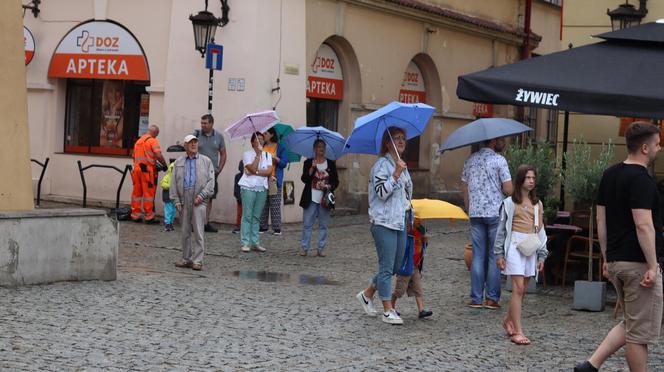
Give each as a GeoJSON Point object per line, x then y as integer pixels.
{"type": "Point", "coordinates": [517, 263]}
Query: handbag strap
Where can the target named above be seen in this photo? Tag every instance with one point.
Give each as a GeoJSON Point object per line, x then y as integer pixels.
{"type": "Point", "coordinates": [536, 220]}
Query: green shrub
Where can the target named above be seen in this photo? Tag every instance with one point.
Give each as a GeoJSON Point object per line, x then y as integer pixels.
{"type": "Point", "coordinates": [583, 173]}
{"type": "Point", "coordinates": [542, 157]}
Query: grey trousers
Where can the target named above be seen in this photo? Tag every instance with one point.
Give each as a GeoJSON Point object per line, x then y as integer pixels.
{"type": "Point", "coordinates": [193, 223]}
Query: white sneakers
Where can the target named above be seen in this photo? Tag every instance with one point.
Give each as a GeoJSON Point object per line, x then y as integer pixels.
{"type": "Point", "coordinates": [245, 248]}
{"type": "Point", "coordinates": [258, 248]}
{"type": "Point", "coordinates": [367, 304]}
{"type": "Point", "coordinates": [392, 317]}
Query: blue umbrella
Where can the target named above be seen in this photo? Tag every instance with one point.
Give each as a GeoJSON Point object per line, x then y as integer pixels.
{"type": "Point", "coordinates": [301, 141]}
{"type": "Point", "coordinates": [368, 132]}
{"type": "Point", "coordinates": [482, 130]}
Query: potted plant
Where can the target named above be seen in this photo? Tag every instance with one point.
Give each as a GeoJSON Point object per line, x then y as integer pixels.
{"type": "Point", "coordinates": [581, 180]}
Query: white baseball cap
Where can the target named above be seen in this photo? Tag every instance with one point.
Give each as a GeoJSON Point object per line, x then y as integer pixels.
{"type": "Point", "coordinates": [189, 137]}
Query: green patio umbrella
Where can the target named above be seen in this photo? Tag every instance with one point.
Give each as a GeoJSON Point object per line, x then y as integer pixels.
{"type": "Point", "coordinates": [282, 131]}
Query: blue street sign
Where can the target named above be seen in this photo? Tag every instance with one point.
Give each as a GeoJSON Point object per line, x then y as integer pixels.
{"type": "Point", "coordinates": [214, 56]}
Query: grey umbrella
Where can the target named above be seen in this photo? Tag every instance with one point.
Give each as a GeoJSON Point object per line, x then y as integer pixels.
{"type": "Point", "coordinates": [482, 130]}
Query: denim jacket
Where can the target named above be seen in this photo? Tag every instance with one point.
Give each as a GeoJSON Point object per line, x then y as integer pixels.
{"type": "Point", "coordinates": [504, 232]}
{"type": "Point", "coordinates": [387, 197]}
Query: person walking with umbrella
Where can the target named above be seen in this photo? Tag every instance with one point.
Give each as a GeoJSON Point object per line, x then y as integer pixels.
{"type": "Point", "coordinates": [390, 192]}
{"type": "Point", "coordinates": [279, 162]}
{"type": "Point", "coordinates": [485, 179]}
{"type": "Point", "coordinates": [521, 216]}
{"type": "Point", "coordinates": [319, 175]}
{"type": "Point", "coordinates": [253, 184]}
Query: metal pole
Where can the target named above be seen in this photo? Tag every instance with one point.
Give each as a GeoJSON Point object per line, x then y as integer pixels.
{"type": "Point", "coordinates": [210, 82]}
{"type": "Point", "coordinates": [564, 162]}
{"type": "Point", "coordinates": [85, 188]}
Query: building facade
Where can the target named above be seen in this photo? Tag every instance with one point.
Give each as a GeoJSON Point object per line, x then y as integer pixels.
{"type": "Point", "coordinates": [101, 70]}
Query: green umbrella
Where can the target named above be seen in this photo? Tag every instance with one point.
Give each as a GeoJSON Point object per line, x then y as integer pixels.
{"type": "Point", "coordinates": [282, 131]}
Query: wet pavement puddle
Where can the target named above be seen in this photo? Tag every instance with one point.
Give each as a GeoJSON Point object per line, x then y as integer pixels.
{"type": "Point", "coordinates": [274, 277]}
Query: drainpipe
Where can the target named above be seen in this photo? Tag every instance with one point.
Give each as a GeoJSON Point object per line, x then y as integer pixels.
{"type": "Point", "coordinates": [525, 49]}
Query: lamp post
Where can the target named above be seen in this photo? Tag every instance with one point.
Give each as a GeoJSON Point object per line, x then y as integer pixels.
{"type": "Point", "coordinates": [626, 15]}
{"type": "Point", "coordinates": [205, 25]}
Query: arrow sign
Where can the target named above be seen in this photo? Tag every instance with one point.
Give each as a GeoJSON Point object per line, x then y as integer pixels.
{"type": "Point", "coordinates": [214, 56]}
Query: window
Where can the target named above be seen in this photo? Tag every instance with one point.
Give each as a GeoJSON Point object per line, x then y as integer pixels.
{"type": "Point", "coordinates": [323, 112]}
{"type": "Point", "coordinates": [554, 2]}
{"type": "Point", "coordinates": [102, 116]}
{"type": "Point", "coordinates": [412, 154]}
{"type": "Point", "coordinates": [552, 127]}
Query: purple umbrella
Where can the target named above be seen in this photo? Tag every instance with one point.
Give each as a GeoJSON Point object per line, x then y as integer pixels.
{"type": "Point", "coordinates": [251, 123]}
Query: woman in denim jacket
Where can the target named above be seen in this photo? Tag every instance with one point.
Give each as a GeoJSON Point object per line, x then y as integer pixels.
{"type": "Point", "coordinates": [390, 192]}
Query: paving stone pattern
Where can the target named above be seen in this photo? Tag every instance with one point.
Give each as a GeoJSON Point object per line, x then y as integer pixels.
{"type": "Point", "coordinates": [265, 312]}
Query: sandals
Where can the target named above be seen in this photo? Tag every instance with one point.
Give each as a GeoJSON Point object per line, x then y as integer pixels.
{"type": "Point", "coordinates": [520, 339]}
{"type": "Point", "coordinates": [197, 266]}
{"type": "Point", "coordinates": [184, 264]}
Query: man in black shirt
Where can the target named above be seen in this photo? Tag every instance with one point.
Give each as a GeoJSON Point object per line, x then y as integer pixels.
{"type": "Point", "coordinates": [629, 226]}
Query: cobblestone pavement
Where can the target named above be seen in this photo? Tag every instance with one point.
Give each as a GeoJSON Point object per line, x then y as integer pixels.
{"type": "Point", "coordinates": [234, 316]}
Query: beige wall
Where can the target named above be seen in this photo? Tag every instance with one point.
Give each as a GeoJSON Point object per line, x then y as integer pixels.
{"type": "Point", "coordinates": [582, 19]}
{"type": "Point", "coordinates": [15, 187]}
{"type": "Point", "coordinates": [384, 43]}
{"type": "Point", "coordinates": [178, 87]}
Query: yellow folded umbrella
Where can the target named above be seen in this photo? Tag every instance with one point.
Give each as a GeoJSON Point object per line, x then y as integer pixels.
{"type": "Point", "coordinates": [431, 208]}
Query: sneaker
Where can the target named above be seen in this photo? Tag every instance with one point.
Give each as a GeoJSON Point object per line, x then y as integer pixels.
{"type": "Point", "coordinates": [303, 253]}
{"type": "Point", "coordinates": [425, 314]}
{"type": "Point", "coordinates": [321, 254]}
{"type": "Point", "coordinates": [209, 228]}
{"type": "Point", "coordinates": [391, 317]}
{"type": "Point", "coordinates": [367, 304]}
{"type": "Point", "coordinates": [475, 305]}
{"type": "Point", "coordinates": [585, 367]}
{"type": "Point", "coordinates": [245, 248]}
{"type": "Point", "coordinates": [261, 231]}
{"type": "Point", "coordinates": [258, 248]}
{"type": "Point", "coordinates": [236, 230]}
{"type": "Point", "coordinates": [276, 232]}
{"type": "Point", "coordinates": [491, 304]}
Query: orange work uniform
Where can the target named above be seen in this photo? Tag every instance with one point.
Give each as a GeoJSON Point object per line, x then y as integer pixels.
{"type": "Point", "coordinates": [144, 177]}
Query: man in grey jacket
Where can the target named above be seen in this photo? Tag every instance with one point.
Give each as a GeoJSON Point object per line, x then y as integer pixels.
{"type": "Point", "coordinates": [192, 185]}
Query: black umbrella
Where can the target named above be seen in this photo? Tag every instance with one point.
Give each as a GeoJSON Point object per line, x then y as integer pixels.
{"type": "Point", "coordinates": [622, 76]}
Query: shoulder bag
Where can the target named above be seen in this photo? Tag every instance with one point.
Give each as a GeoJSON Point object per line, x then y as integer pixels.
{"type": "Point", "coordinates": [531, 243]}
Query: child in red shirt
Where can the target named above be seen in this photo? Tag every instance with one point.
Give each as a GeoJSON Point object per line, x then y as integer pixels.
{"type": "Point", "coordinates": [412, 285]}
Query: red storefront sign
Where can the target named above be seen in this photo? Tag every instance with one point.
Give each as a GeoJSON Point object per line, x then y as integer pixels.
{"type": "Point", "coordinates": [483, 110]}
{"type": "Point", "coordinates": [29, 43]}
{"type": "Point", "coordinates": [318, 87]}
{"type": "Point", "coordinates": [412, 86]}
{"type": "Point", "coordinates": [99, 50]}
{"type": "Point", "coordinates": [325, 79]}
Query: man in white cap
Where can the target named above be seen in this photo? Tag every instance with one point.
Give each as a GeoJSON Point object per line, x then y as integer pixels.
{"type": "Point", "coordinates": [192, 185]}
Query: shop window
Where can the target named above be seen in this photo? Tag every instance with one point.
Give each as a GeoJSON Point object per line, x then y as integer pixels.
{"type": "Point", "coordinates": [323, 112]}
{"type": "Point", "coordinates": [103, 116]}
{"type": "Point", "coordinates": [552, 127]}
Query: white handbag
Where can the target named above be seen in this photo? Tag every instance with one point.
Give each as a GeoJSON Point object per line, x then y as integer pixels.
{"type": "Point", "coordinates": [531, 243]}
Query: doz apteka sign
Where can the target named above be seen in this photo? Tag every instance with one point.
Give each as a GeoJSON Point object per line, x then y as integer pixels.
{"type": "Point", "coordinates": [29, 43]}
{"type": "Point", "coordinates": [99, 50]}
{"type": "Point", "coordinates": [325, 78]}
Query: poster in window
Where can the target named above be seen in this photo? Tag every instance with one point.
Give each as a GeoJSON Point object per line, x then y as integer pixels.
{"type": "Point", "coordinates": [112, 107]}
{"type": "Point", "coordinates": [289, 192]}
{"type": "Point", "coordinates": [144, 115]}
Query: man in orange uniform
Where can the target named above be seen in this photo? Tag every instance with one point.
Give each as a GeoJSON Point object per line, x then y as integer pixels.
{"type": "Point", "coordinates": [144, 176]}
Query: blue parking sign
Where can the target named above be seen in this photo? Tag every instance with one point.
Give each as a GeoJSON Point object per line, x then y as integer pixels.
{"type": "Point", "coordinates": [214, 56]}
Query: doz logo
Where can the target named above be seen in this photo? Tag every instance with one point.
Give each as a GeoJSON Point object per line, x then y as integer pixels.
{"type": "Point", "coordinates": [86, 41]}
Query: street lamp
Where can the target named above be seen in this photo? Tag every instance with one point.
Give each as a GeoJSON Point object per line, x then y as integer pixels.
{"type": "Point", "coordinates": [205, 25]}
{"type": "Point", "coordinates": [626, 15]}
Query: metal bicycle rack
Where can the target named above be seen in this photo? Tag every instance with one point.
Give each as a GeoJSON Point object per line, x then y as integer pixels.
{"type": "Point", "coordinates": [124, 172]}
{"type": "Point", "coordinates": [43, 165]}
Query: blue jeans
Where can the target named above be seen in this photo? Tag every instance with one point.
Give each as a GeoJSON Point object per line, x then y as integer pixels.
{"type": "Point", "coordinates": [309, 215]}
{"type": "Point", "coordinates": [169, 212]}
{"type": "Point", "coordinates": [390, 247]}
{"type": "Point", "coordinates": [484, 274]}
